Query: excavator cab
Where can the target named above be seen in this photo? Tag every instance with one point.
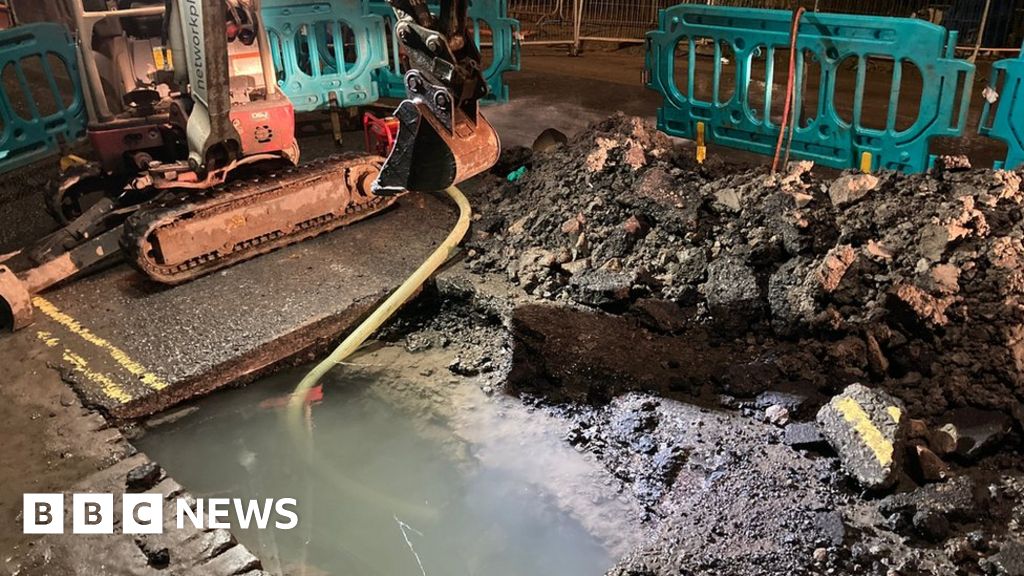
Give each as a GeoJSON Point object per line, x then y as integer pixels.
{"type": "Point", "coordinates": [442, 137]}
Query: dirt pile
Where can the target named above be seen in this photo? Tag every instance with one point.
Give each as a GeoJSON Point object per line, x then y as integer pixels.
{"type": "Point", "coordinates": [912, 282]}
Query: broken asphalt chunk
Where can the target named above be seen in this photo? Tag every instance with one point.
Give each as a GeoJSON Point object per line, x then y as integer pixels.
{"type": "Point", "coordinates": [867, 429]}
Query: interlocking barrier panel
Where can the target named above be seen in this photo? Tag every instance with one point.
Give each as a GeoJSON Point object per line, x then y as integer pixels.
{"type": "Point", "coordinates": [326, 53]}
{"type": "Point", "coordinates": [492, 29]}
{"type": "Point", "coordinates": [726, 68]}
{"type": "Point", "coordinates": [41, 98]}
{"type": "Point", "coordinates": [1002, 117]}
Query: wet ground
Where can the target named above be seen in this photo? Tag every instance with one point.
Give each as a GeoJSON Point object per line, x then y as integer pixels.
{"type": "Point", "coordinates": [412, 469]}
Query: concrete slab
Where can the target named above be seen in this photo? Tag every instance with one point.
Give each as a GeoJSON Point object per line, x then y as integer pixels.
{"type": "Point", "coordinates": [133, 347]}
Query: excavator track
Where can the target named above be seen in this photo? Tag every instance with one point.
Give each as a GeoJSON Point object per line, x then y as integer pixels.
{"type": "Point", "coordinates": [182, 237]}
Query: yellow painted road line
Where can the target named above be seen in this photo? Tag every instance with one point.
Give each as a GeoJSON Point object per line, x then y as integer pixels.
{"type": "Point", "coordinates": [118, 355]}
{"type": "Point", "coordinates": [48, 338]}
{"type": "Point", "coordinates": [106, 384]}
{"type": "Point", "coordinates": [869, 433]}
{"type": "Point", "coordinates": [894, 413]}
{"type": "Point", "coordinates": [110, 388]}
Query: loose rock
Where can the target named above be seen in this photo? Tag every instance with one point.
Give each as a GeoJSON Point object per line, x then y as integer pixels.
{"type": "Point", "coordinates": [867, 429]}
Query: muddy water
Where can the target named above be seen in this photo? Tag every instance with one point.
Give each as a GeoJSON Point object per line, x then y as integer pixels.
{"type": "Point", "coordinates": [411, 471]}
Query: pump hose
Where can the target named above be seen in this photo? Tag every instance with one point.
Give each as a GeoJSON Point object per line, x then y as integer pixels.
{"type": "Point", "coordinates": [382, 313]}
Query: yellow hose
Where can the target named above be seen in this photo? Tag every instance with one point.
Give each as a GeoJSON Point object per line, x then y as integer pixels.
{"type": "Point", "coordinates": [382, 313]}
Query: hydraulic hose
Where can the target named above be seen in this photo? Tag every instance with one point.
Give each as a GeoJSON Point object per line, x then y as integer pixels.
{"type": "Point", "coordinates": [790, 93]}
{"type": "Point", "coordinates": [299, 417]}
{"type": "Point", "coordinates": [383, 312]}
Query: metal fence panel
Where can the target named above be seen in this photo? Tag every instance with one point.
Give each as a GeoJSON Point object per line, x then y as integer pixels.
{"type": "Point", "coordinates": [41, 98]}
{"type": "Point", "coordinates": [617, 21]}
{"type": "Point", "coordinates": [546, 21]}
{"type": "Point", "coordinates": [744, 116]}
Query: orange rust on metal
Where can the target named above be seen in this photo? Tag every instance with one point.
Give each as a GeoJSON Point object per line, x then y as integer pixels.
{"type": "Point", "coordinates": [475, 147]}
{"type": "Point", "coordinates": [16, 297]}
{"type": "Point", "coordinates": [241, 220]}
{"type": "Point", "coordinates": [49, 273]}
{"type": "Point", "coordinates": [222, 230]}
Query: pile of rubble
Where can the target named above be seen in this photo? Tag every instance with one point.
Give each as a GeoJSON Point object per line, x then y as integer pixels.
{"type": "Point", "coordinates": [876, 321]}
{"type": "Point", "coordinates": [915, 282]}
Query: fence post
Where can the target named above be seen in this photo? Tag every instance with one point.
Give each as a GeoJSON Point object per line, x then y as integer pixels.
{"type": "Point", "coordinates": [981, 31]}
{"type": "Point", "coordinates": [577, 17]}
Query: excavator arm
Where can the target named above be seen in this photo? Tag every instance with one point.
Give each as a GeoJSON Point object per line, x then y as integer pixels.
{"type": "Point", "coordinates": [442, 137]}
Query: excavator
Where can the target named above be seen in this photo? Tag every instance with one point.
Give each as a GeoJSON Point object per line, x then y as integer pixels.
{"type": "Point", "coordinates": [200, 169]}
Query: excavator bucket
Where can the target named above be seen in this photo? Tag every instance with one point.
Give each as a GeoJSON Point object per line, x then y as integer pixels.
{"type": "Point", "coordinates": [428, 156]}
{"type": "Point", "coordinates": [15, 302]}
{"type": "Point", "coordinates": [442, 137]}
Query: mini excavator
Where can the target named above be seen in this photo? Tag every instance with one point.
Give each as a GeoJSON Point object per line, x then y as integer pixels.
{"type": "Point", "coordinates": [200, 169]}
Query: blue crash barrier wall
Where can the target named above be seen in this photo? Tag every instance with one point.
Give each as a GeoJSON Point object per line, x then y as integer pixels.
{"type": "Point", "coordinates": [325, 49]}
{"type": "Point", "coordinates": [486, 15]}
{"type": "Point", "coordinates": [41, 98]}
{"type": "Point", "coordinates": [1003, 119]}
{"type": "Point", "coordinates": [744, 119]}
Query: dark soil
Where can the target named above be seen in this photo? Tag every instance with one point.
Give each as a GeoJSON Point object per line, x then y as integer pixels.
{"type": "Point", "coordinates": [680, 317]}
{"type": "Point", "coordinates": [918, 285]}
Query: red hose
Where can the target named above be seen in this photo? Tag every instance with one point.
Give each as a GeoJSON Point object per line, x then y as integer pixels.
{"type": "Point", "coordinates": [790, 88]}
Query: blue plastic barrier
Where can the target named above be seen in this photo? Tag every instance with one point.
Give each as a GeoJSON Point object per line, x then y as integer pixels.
{"type": "Point", "coordinates": [320, 49]}
{"type": "Point", "coordinates": [827, 42]}
{"type": "Point", "coordinates": [36, 61]}
{"type": "Point", "coordinates": [1007, 123]}
{"type": "Point", "coordinates": [485, 14]}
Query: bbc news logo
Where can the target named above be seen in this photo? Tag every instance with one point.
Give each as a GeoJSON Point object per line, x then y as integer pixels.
{"type": "Point", "coordinates": [144, 513]}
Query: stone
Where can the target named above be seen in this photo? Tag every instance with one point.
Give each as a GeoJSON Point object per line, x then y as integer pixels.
{"type": "Point", "coordinates": [574, 225]}
{"type": "Point", "coordinates": [820, 555]}
{"type": "Point", "coordinates": [776, 414]}
{"type": "Point", "coordinates": [1010, 559]}
{"type": "Point", "coordinates": [834, 266]}
{"type": "Point", "coordinates": [867, 429]}
{"type": "Point", "coordinates": [730, 282]}
{"type": "Point", "coordinates": [926, 306]}
{"type": "Point", "coordinates": [877, 361]}
{"type": "Point", "coordinates": [879, 251]}
{"type": "Point", "coordinates": [959, 500]}
{"type": "Point", "coordinates": [636, 226]}
{"type": "Point", "coordinates": [917, 430]}
{"type": "Point", "coordinates": [803, 435]}
{"type": "Point", "coordinates": [207, 544]}
{"type": "Point", "coordinates": [978, 430]}
{"type": "Point", "coordinates": [577, 266]}
{"type": "Point", "coordinates": [801, 199]}
{"type": "Point", "coordinates": [791, 402]}
{"type": "Point", "coordinates": [851, 188]}
{"type": "Point", "coordinates": [953, 163]}
{"type": "Point", "coordinates": [157, 556]}
{"type": "Point", "coordinates": [925, 466]}
{"type": "Point", "coordinates": [946, 278]}
{"type": "Point", "coordinates": [143, 477]}
{"type": "Point", "coordinates": [944, 440]}
{"type": "Point", "coordinates": [728, 198]}
{"type": "Point", "coordinates": [601, 287]}
{"type": "Point", "coordinates": [234, 561]}
{"type": "Point", "coordinates": [931, 525]}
